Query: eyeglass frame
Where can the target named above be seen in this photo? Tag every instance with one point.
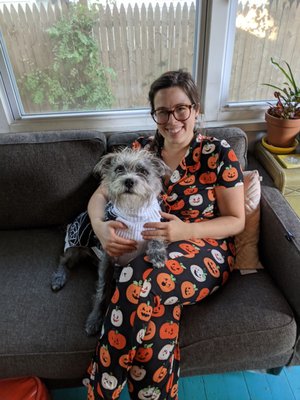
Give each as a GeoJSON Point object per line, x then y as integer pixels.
{"type": "Point", "coordinates": [190, 106]}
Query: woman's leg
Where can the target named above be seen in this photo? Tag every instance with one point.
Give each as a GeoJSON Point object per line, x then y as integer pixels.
{"type": "Point", "coordinates": [139, 338]}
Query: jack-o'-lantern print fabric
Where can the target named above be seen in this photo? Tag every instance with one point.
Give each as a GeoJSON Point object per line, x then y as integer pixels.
{"type": "Point", "coordinates": [139, 341]}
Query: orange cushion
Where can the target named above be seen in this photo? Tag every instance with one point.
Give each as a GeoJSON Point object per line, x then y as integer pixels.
{"type": "Point", "coordinates": [26, 388]}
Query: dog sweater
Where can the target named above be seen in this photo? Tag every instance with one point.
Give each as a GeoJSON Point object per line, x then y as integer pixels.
{"type": "Point", "coordinates": [134, 220]}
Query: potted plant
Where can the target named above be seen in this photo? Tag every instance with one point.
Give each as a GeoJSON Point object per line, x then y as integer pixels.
{"type": "Point", "coordinates": [283, 117]}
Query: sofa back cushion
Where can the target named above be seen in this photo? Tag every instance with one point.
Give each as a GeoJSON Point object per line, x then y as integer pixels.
{"type": "Point", "coordinates": [234, 136]}
{"type": "Point", "coordinates": [46, 177]}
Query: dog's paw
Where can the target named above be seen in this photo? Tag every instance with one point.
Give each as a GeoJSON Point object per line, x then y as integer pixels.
{"type": "Point", "coordinates": [159, 261]}
{"type": "Point", "coordinates": [58, 281]}
{"type": "Point", "coordinates": [93, 325]}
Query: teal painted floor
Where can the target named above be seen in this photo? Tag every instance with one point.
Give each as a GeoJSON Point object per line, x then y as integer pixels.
{"type": "Point", "coordinates": [231, 386]}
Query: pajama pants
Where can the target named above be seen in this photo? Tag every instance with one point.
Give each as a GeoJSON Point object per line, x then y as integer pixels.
{"type": "Point", "coordinates": [139, 344]}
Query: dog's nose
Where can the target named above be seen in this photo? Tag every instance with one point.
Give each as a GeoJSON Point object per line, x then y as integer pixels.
{"type": "Point", "coordinates": [129, 183]}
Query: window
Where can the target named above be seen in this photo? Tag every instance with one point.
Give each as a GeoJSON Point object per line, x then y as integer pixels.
{"type": "Point", "coordinates": [123, 45]}
{"type": "Point", "coordinates": [76, 57]}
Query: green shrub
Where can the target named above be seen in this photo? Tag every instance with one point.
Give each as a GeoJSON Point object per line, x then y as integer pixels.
{"type": "Point", "coordinates": [76, 80]}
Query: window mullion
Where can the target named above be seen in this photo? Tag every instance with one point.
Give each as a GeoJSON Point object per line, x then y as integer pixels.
{"type": "Point", "coordinates": [9, 87]}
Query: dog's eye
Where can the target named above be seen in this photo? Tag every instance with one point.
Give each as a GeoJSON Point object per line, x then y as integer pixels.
{"type": "Point", "coordinates": [142, 171]}
{"type": "Point", "coordinates": [119, 169]}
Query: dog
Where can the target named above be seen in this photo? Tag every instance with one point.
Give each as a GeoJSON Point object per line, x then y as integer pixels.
{"type": "Point", "coordinates": [133, 181]}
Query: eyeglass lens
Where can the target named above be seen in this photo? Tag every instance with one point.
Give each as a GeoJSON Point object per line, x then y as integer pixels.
{"type": "Point", "coordinates": [180, 113]}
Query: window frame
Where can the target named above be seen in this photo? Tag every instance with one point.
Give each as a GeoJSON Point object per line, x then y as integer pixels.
{"type": "Point", "coordinates": [214, 41]}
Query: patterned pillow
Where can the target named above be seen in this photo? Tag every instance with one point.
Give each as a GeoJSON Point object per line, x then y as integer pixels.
{"type": "Point", "coordinates": [246, 241]}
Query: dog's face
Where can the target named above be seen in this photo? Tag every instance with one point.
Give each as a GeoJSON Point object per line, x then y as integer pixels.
{"type": "Point", "coordinates": [132, 177]}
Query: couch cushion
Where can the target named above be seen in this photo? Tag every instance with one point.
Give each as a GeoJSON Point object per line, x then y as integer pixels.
{"type": "Point", "coordinates": [248, 324]}
{"type": "Point", "coordinates": [235, 137]}
{"type": "Point", "coordinates": [30, 164]}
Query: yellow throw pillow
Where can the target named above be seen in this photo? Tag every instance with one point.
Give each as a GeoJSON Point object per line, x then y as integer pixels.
{"type": "Point", "coordinates": [246, 241]}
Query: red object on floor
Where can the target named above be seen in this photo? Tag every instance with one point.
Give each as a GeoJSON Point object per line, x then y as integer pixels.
{"type": "Point", "coordinates": [25, 388]}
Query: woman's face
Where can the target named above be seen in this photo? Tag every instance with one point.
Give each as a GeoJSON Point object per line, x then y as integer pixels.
{"type": "Point", "coordinates": [179, 133]}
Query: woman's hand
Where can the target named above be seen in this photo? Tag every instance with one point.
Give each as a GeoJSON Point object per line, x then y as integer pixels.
{"type": "Point", "coordinates": [113, 244]}
{"type": "Point", "coordinates": [171, 230]}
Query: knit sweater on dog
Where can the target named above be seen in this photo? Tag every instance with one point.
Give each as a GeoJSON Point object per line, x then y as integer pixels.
{"type": "Point", "coordinates": [134, 220]}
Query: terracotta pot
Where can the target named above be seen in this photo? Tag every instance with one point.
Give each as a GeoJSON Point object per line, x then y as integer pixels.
{"type": "Point", "coordinates": [281, 132]}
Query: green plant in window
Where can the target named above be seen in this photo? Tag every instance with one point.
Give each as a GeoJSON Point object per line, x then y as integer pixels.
{"type": "Point", "coordinates": [76, 80]}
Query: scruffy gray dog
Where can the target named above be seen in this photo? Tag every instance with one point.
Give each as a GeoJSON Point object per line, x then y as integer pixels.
{"type": "Point", "coordinates": [133, 182]}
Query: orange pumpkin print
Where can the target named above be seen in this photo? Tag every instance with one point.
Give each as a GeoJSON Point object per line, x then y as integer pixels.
{"type": "Point", "coordinates": [198, 242]}
{"type": "Point", "coordinates": [133, 292]}
{"type": "Point", "coordinates": [188, 180]}
{"type": "Point", "coordinates": [174, 390]}
{"type": "Point", "coordinates": [231, 155]}
{"type": "Point", "coordinates": [170, 382]}
{"type": "Point", "coordinates": [225, 277]}
{"type": "Point", "coordinates": [212, 161]}
{"type": "Point", "coordinates": [166, 282]}
{"type": "Point", "coordinates": [190, 249]}
{"type": "Point", "coordinates": [160, 374]}
{"type": "Point", "coordinates": [175, 266]}
{"type": "Point", "coordinates": [104, 356]}
{"type": "Point", "coordinates": [147, 273]}
{"type": "Point", "coordinates": [211, 241]}
{"type": "Point", "coordinates": [190, 214]}
{"type": "Point", "coordinates": [132, 318]}
{"type": "Point", "coordinates": [177, 312]}
{"type": "Point", "coordinates": [124, 360]}
{"type": "Point", "coordinates": [211, 194]}
{"type": "Point", "coordinates": [116, 296]}
{"type": "Point", "coordinates": [194, 168]}
{"type": "Point", "coordinates": [212, 267]}
{"type": "Point", "coordinates": [116, 392]}
{"type": "Point", "coordinates": [169, 330]}
{"type": "Point", "coordinates": [158, 310]}
{"type": "Point", "coordinates": [178, 205]}
{"type": "Point", "coordinates": [116, 340]}
{"type": "Point", "coordinates": [208, 177]}
{"type": "Point", "coordinates": [202, 294]}
{"type": "Point", "coordinates": [197, 154]}
{"type": "Point", "coordinates": [188, 289]}
{"type": "Point", "coordinates": [150, 331]}
{"type": "Point", "coordinates": [190, 190]}
{"type": "Point", "coordinates": [230, 174]}
{"type": "Point", "coordinates": [144, 311]}
{"type": "Point", "coordinates": [177, 352]}
{"type": "Point", "coordinates": [144, 354]}
{"type": "Point", "coordinates": [99, 391]}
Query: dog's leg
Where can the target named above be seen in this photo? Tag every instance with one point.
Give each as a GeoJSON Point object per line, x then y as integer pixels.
{"type": "Point", "coordinates": [101, 298]}
{"type": "Point", "coordinates": [157, 253]}
{"type": "Point", "coordinates": [71, 258]}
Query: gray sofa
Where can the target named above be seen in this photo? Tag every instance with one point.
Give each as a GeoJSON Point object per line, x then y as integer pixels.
{"type": "Point", "coordinates": [45, 181]}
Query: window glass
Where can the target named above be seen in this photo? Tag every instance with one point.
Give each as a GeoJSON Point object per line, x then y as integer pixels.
{"type": "Point", "coordinates": [69, 57]}
{"type": "Point", "coordinates": [264, 29]}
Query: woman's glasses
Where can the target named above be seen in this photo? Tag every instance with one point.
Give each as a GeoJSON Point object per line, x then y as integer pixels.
{"type": "Point", "coordinates": [181, 112]}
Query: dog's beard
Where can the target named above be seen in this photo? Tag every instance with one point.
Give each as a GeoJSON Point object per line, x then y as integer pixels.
{"type": "Point", "coordinates": [139, 195]}
{"type": "Point", "coordinates": [130, 201]}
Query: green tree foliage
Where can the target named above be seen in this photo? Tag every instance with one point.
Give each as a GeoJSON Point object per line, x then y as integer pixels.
{"type": "Point", "coordinates": [76, 80]}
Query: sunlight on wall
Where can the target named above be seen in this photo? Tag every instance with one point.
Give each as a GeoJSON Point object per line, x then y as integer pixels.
{"type": "Point", "coordinates": [256, 20]}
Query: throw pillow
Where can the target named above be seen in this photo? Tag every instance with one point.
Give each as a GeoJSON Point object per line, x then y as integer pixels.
{"type": "Point", "coordinates": [246, 241]}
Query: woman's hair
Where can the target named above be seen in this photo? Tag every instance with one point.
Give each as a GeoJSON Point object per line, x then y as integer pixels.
{"type": "Point", "coordinates": [181, 79]}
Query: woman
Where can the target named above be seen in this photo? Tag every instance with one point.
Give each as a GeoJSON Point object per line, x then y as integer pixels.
{"type": "Point", "coordinates": [204, 200]}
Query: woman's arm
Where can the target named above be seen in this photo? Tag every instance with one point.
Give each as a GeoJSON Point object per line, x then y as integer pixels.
{"type": "Point", "coordinates": [105, 231]}
{"type": "Point", "coordinates": [231, 221]}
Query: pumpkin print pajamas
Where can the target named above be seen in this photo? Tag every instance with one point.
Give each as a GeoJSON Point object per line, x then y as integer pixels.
{"type": "Point", "coordinates": [139, 338]}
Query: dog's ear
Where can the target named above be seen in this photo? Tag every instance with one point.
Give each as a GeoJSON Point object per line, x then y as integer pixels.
{"type": "Point", "coordinates": [103, 165]}
{"type": "Point", "coordinates": [161, 168]}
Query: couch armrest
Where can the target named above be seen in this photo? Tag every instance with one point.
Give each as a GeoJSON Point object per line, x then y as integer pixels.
{"type": "Point", "coordinates": [280, 244]}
